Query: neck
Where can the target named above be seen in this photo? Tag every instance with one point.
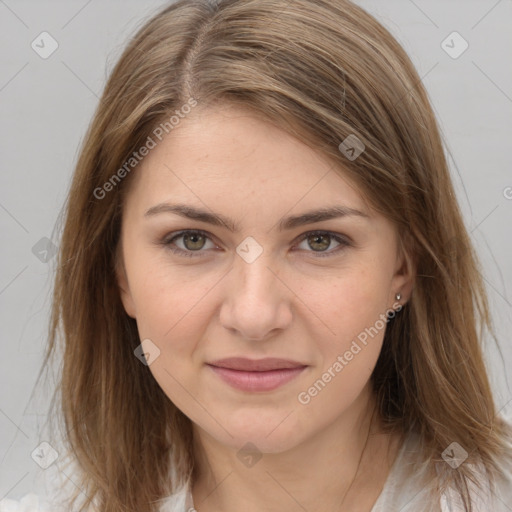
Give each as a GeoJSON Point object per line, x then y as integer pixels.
{"type": "Point", "coordinates": [324, 472]}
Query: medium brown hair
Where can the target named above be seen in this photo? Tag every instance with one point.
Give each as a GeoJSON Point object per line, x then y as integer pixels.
{"type": "Point", "coordinates": [322, 70]}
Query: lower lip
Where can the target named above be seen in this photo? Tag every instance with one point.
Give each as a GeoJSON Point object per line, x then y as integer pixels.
{"type": "Point", "coordinates": [257, 381]}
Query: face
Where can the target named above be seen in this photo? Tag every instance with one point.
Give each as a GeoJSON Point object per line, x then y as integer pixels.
{"type": "Point", "coordinates": [257, 285]}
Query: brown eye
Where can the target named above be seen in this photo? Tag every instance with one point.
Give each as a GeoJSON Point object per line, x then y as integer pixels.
{"type": "Point", "coordinates": [193, 241]}
{"type": "Point", "coordinates": [319, 241]}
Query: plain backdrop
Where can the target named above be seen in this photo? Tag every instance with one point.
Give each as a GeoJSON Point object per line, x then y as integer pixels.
{"type": "Point", "coordinates": [46, 105]}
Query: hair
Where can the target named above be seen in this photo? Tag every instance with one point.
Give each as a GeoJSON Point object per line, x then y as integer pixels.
{"type": "Point", "coordinates": [321, 70]}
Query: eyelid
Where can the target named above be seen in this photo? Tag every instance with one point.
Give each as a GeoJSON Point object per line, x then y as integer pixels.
{"type": "Point", "coordinates": [342, 239]}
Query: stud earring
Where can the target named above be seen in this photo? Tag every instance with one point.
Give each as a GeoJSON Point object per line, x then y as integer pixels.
{"type": "Point", "coordinates": [398, 296]}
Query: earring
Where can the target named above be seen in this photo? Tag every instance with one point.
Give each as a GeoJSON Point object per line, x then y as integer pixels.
{"type": "Point", "coordinates": [398, 296]}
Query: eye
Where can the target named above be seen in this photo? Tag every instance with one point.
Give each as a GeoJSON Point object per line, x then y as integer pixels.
{"type": "Point", "coordinates": [193, 241]}
{"type": "Point", "coordinates": [321, 240]}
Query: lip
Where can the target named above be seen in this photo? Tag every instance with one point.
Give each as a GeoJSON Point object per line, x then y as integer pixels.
{"type": "Point", "coordinates": [256, 365]}
{"type": "Point", "coordinates": [256, 375]}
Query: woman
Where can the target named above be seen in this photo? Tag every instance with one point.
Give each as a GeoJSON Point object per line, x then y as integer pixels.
{"type": "Point", "coordinates": [266, 293]}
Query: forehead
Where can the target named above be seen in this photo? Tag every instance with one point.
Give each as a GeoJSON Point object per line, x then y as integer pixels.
{"type": "Point", "coordinates": [228, 155]}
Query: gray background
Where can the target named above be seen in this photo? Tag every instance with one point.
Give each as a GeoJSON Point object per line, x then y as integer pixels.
{"type": "Point", "coordinates": [46, 106]}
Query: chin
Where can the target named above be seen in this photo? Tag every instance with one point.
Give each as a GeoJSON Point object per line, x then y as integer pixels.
{"type": "Point", "coordinates": [247, 440]}
{"type": "Point", "coordinates": [271, 432]}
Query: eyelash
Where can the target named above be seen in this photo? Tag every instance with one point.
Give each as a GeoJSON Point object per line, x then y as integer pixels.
{"type": "Point", "coordinates": [190, 254]}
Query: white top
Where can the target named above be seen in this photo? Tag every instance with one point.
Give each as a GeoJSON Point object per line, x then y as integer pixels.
{"type": "Point", "coordinates": [404, 490]}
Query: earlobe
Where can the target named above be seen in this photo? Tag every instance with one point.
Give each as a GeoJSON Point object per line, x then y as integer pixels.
{"type": "Point", "coordinates": [404, 278]}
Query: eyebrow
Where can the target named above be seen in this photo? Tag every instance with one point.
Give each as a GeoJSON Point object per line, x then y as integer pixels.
{"type": "Point", "coordinates": [287, 223]}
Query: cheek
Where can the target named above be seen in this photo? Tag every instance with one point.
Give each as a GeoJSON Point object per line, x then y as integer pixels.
{"type": "Point", "coordinates": [347, 304]}
{"type": "Point", "coordinates": [352, 311]}
{"type": "Point", "coordinates": [349, 356]}
{"type": "Point", "coordinates": [355, 310]}
{"type": "Point", "coordinates": [337, 314]}
{"type": "Point", "coordinates": [334, 307]}
{"type": "Point", "coordinates": [169, 300]}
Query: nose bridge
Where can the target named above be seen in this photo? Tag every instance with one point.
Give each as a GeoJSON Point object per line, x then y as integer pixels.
{"type": "Point", "coordinates": [254, 273]}
{"type": "Point", "coordinates": [256, 302]}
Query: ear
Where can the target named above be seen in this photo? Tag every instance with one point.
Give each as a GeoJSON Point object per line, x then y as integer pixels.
{"type": "Point", "coordinates": [122, 282]}
{"type": "Point", "coordinates": [405, 271]}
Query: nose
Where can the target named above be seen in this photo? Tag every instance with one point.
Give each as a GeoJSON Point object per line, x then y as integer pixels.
{"type": "Point", "coordinates": [256, 302]}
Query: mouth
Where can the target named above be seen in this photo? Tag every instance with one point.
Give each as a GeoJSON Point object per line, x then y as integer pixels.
{"type": "Point", "coordinates": [256, 375]}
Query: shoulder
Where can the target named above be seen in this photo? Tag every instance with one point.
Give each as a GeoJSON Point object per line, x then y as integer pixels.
{"type": "Point", "coordinates": [29, 503]}
{"type": "Point", "coordinates": [180, 501]}
{"type": "Point", "coordinates": [412, 487]}
{"type": "Point", "coordinates": [33, 502]}
{"type": "Point", "coordinates": [487, 496]}
{"type": "Point", "coordinates": [492, 493]}
{"type": "Point", "coordinates": [503, 485]}
{"type": "Point", "coordinates": [503, 492]}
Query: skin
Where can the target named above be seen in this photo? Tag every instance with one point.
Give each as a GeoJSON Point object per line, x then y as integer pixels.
{"type": "Point", "coordinates": [289, 302]}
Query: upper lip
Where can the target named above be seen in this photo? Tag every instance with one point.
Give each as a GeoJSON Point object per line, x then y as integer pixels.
{"type": "Point", "coordinates": [256, 365]}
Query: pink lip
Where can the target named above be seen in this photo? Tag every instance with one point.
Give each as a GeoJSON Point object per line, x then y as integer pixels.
{"type": "Point", "coordinates": [256, 375]}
